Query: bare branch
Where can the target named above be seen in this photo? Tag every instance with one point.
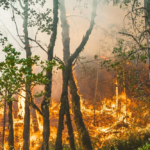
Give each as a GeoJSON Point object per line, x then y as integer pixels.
{"type": "Point", "coordinates": [38, 44]}
{"type": "Point", "coordinates": [16, 25]}
{"type": "Point", "coordinates": [21, 4]}
{"type": "Point", "coordinates": [127, 34]}
{"type": "Point", "coordinates": [20, 95]}
{"type": "Point", "coordinates": [11, 34]}
{"type": "Point", "coordinates": [85, 39]}
{"type": "Point", "coordinates": [133, 4]}
{"type": "Point", "coordinates": [34, 105]}
{"type": "Point", "coordinates": [147, 30]}
{"type": "Point", "coordinates": [36, 34]}
{"type": "Point", "coordinates": [16, 11]}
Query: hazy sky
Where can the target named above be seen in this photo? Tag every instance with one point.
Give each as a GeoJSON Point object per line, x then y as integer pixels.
{"type": "Point", "coordinates": [76, 13]}
{"type": "Point", "coordinates": [106, 15]}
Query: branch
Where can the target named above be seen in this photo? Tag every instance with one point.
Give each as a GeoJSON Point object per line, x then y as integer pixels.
{"type": "Point", "coordinates": [34, 105]}
{"type": "Point", "coordinates": [16, 25]}
{"type": "Point", "coordinates": [16, 11]}
{"type": "Point", "coordinates": [38, 44]}
{"type": "Point", "coordinates": [11, 33]}
{"type": "Point", "coordinates": [59, 60]}
{"type": "Point", "coordinates": [141, 8]}
{"type": "Point", "coordinates": [21, 4]}
{"type": "Point", "coordinates": [20, 95]}
{"type": "Point", "coordinates": [127, 34]}
{"type": "Point", "coordinates": [127, 15]}
{"type": "Point", "coordinates": [147, 30]}
{"type": "Point", "coordinates": [36, 34]}
{"type": "Point", "coordinates": [85, 39]}
{"type": "Point", "coordinates": [54, 30]}
{"type": "Point", "coordinates": [133, 4]}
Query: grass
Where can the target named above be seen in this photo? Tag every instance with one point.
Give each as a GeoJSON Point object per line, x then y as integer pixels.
{"type": "Point", "coordinates": [133, 142]}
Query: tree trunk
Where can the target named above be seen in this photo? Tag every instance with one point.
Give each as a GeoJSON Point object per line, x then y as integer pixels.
{"type": "Point", "coordinates": [26, 131]}
{"type": "Point", "coordinates": [62, 111]}
{"type": "Point", "coordinates": [69, 125]}
{"type": "Point", "coordinates": [67, 73]}
{"type": "Point", "coordinates": [147, 25]}
{"type": "Point", "coordinates": [66, 54]}
{"type": "Point", "coordinates": [3, 136]}
{"type": "Point", "coordinates": [48, 87]}
{"type": "Point", "coordinates": [11, 130]}
{"type": "Point", "coordinates": [82, 131]}
{"type": "Point", "coordinates": [65, 32]}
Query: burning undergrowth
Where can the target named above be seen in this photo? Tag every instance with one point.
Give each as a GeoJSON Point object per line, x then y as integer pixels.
{"type": "Point", "coordinates": [108, 112]}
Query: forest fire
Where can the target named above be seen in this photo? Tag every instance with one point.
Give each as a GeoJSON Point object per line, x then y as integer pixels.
{"type": "Point", "coordinates": [112, 117]}
{"type": "Point", "coordinates": [90, 112]}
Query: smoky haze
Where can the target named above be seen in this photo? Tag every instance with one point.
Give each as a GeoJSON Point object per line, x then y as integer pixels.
{"type": "Point", "coordinates": [108, 21]}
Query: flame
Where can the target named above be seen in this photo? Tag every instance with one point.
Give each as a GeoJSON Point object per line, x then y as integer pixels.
{"type": "Point", "coordinates": [112, 117]}
{"type": "Point", "coordinates": [21, 104]}
{"type": "Point", "coordinates": [103, 57]}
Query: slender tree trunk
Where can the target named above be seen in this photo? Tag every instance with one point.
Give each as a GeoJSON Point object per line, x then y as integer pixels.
{"type": "Point", "coordinates": [147, 25]}
{"type": "Point", "coordinates": [65, 32]}
{"type": "Point", "coordinates": [69, 125]}
{"type": "Point", "coordinates": [62, 111]}
{"type": "Point", "coordinates": [26, 131]}
{"type": "Point", "coordinates": [11, 130]}
{"type": "Point", "coordinates": [4, 120]}
{"type": "Point", "coordinates": [67, 73]}
{"type": "Point", "coordinates": [82, 131]}
{"type": "Point", "coordinates": [66, 54]}
{"type": "Point", "coordinates": [48, 87]}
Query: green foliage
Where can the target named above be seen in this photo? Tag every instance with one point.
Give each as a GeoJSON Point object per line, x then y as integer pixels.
{"type": "Point", "coordinates": [35, 18]}
{"type": "Point", "coordinates": [145, 147]}
{"type": "Point", "coordinates": [42, 20]}
{"type": "Point", "coordinates": [96, 56]}
{"type": "Point", "coordinates": [16, 73]}
{"type": "Point", "coordinates": [125, 63]}
{"type": "Point", "coordinates": [2, 39]}
{"type": "Point", "coordinates": [133, 142]}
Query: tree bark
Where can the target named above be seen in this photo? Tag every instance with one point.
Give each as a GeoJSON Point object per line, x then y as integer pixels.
{"type": "Point", "coordinates": [26, 131]}
{"type": "Point", "coordinates": [3, 136]}
{"type": "Point", "coordinates": [62, 111]}
{"type": "Point", "coordinates": [11, 130]}
{"type": "Point", "coordinates": [48, 87]}
{"type": "Point", "coordinates": [65, 32]}
{"type": "Point", "coordinates": [82, 131]}
{"type": "Point", "coordinates": [70, 128]}
{"type": "Point", "coordinates": [66, 54]}
{"type": "Point", "coordinates": [147, 25]}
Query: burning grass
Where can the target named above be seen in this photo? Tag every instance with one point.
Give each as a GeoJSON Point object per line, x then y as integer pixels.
{"type": "Point", "coordinates": [112, 128]}
{"type": "Point", "coordinates": [120, 121]}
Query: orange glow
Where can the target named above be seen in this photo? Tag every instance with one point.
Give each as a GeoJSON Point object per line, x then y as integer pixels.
{"type": "Point", "coordinates": [113, 117]}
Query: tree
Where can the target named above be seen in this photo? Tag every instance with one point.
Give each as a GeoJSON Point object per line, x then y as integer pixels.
{"type": "Point", "coordinates": [68, 79]}
{"type": "Point", "coordinates": [14, 79]}
{"type": "Point", "coordinates": [43, 23]}
{"type": "Point", "coordinates": [66, 54]}
{"type": "Point", "coordinates": [47, 97]}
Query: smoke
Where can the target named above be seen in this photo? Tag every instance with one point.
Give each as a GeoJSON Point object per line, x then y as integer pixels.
{"type": "Point", "coordinates": [101, 41]}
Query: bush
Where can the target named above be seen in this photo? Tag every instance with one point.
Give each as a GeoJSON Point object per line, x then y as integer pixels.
{"type": "Point", "coordinates": [145, 147]}
{"type": "Point", "coordinates": [133, 142]}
